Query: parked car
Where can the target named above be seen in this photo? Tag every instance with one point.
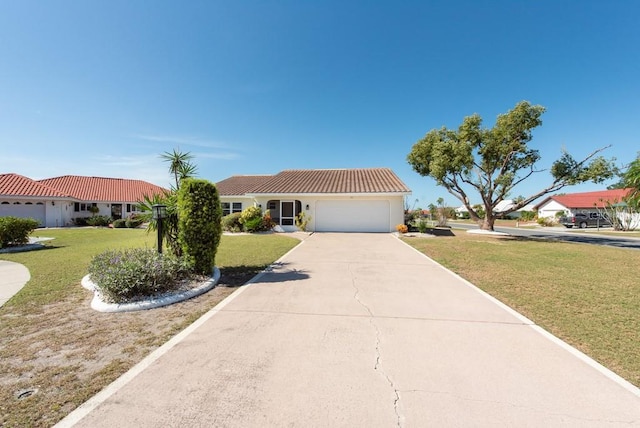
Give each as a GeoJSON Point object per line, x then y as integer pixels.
{"type": "Point", "coordinates": [585, 220]}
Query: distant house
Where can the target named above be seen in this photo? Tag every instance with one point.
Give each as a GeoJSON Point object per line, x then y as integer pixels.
{"type": "Point", "coordinates": [499, 210]}
{"type": "Point", "coordinates": [574, 203]}
{"type": "Point", "coordinates": [336, 200]}
{"type": "Point", "coordinates": [55, 202]}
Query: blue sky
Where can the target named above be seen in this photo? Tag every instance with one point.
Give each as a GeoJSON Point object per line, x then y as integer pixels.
{"type": "Point", "coordinates": [255, 87]}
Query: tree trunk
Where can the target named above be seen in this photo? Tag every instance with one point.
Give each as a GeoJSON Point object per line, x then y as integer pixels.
{"type": "Point", "coordinates": [487, 223]}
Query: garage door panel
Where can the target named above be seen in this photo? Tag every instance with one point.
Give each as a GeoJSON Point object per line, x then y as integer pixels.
{"type": "Point", "coordinates": [352, 216]}
{"type": "Point", "coordinates": [34, 211]}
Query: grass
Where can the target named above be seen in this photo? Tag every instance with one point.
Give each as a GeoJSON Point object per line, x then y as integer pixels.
{"type": "Point", "coordinates": [53, 342]}
{"type": "Point", "coordinates": [588, 296]}
{"type": "Point", "coordinates": [527, 225]}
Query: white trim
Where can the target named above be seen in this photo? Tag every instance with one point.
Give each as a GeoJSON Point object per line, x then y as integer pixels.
{"type": "Point", "coordinates": [326, 195]}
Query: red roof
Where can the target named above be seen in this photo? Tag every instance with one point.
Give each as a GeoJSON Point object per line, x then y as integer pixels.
{"type": "Point", "coordinates": [18, 185]}
{"type": "Point", "coordinates": [365, 180]}
{"type": "Point", "coordinates": [590, 199]}
{"type": "Point", "coordinates": [100, 189]}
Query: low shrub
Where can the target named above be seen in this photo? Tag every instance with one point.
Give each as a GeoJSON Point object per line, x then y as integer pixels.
{"type": "Point", "coordinates": [231, 223]}
{"type": "Point", "coordinates": [120, 223]}
{"type": "Point", "coordinates": [253, 224]}
{"type": "Point", "coordinates": [422, 226]}
{"type": "Point", "coordinates": [123, 275]}
{"type": "Point", "coordinates": [16, 231]}
{"type": "Point", "coordinates": [547, 221]}
{"type": "Point", "coordinates": [133, 222]}
{"type": "Point", "coordinates": [302, 221]}
{"type": "Point", "coordinates": [267, 221]}
{"type": "Point", "coordinates": [252, 220]}
{"type": "Point", "coordinates": [98, 220]}
{"type": "Point", "coordinates": [80, 221]}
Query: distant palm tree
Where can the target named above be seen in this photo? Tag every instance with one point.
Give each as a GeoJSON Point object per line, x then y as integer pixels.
{"type": "Point", "coordinates": [180, 165]}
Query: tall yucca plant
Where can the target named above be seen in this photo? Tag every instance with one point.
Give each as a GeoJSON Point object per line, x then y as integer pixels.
{"type": "Point", "coordinates": [180, 167]}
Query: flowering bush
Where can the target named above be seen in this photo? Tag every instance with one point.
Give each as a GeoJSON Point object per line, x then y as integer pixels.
{"type": "Point", "coordinates": [402, 228]}
{"type": "Point", "coordinates": [123, 275]}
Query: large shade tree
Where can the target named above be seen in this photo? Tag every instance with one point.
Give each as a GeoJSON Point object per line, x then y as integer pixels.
{"type": "Point", "coordinates": [489, 163]}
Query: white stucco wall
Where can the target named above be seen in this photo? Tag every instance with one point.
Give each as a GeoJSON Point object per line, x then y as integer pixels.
{"type": "Point", "coordinates": [395, 203]}
{"type": "Point", "coordinates": [549, 209]}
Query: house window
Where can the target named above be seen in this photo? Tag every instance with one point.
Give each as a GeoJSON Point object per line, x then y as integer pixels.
{"type": "Point", "coordinates": [272, 205]}
{"type": "Point", "coordinates": [128, 208]}
{"type": "Point", "coordinates": [81, 206]}
{"type": "Point", "coordinates": [231, 207]}
{"type": "Point", "coordinates": [4, 203]}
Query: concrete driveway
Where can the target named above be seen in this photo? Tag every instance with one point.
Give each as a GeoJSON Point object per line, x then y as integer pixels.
{"type": "Point", "coordinates": [360, 330]}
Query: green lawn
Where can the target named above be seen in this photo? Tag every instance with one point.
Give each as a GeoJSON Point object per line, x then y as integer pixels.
{"type": "Point", "coordinates": [588, 296]}
{"type": "Point", "coordinates": [53, 342]}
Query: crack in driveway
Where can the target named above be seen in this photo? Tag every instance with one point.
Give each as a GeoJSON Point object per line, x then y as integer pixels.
{"type": "Point", "coordinates": [378, 364]}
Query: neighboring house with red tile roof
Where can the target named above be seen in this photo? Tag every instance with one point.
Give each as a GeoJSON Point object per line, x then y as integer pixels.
{"type": "Point", "coordinates": [336, 200]}
{"type": "Point", "coordinates": [58, 201]}
{"type": "Point", "coordinates": [574, 203]}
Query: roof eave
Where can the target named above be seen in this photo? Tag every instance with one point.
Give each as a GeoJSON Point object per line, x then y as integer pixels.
{"type": "Point", "coordinates": [256, 195]}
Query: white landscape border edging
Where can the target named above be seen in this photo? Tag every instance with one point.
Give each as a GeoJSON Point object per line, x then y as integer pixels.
{"type": "Point", "coordinates": [99, 304]}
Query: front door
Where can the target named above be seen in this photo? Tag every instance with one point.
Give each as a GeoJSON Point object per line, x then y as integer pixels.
{"type": "Point", "coordinates": [116, 211]}
{"type": "Point", "coordinates": [287, 213]}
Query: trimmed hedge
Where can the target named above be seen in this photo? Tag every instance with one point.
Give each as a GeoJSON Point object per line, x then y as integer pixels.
{"type": "Point", "coordinates": [16, 231]}
{"type": "Point", "coordinates": [199, 223]}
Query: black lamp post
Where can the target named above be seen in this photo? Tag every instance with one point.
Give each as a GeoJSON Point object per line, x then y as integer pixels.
{"type": "Point", "coordinates": [159, 213]}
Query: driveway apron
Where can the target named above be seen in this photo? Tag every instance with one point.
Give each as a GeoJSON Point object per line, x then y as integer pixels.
{"type": "Point", "coordinates": [360, 330]}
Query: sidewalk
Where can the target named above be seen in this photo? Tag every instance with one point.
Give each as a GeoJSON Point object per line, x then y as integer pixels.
{"type": "Point", "coordinates": [13, 276]}
{"type": "Point", "coordinates": [362, 330]}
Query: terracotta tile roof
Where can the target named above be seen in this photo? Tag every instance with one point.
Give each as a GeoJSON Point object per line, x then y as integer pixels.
{"type": "Point", "coordinates": [99, 189]}
{"type": "Point", "coordinates": [240, 184]}
{"type": "Point", "coordinates": [366, 180]}
{"type": "Point", "coordinates": [18, 185]}
{"type": "Point", "coordinates": [590, 199]}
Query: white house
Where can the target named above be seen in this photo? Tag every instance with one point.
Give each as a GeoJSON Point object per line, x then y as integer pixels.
{"type": "Point", "coordinates": [56, 202]}
{"type": "Point", "coordinates": [335, 200]}
{"type": "Point", "coordinates": [574, 203]}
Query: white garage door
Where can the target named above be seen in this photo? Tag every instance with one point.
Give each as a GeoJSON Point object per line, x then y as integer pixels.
{"type": "Point", "coordinates": [34, 211]}
{"type": "Point", "coordinates": [352, 216]}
